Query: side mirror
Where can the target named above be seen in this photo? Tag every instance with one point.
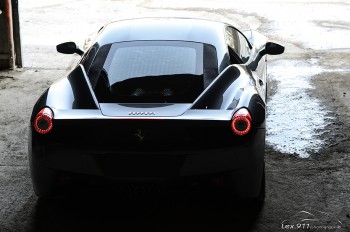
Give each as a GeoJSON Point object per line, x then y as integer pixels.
{"type": "Point", "coordinates": [273, 48]}
{"type": "Point", "coordinates": [270, 49]}
{"type": "Point", "coordinates": [69, 48]}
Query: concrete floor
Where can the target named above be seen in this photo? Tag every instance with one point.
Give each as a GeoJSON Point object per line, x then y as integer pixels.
{"type": "Point", "coordinates": [308, 140]}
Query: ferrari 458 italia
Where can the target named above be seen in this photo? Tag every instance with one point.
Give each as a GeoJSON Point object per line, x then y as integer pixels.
{"type": "Point", "coordinates": [155, 99]}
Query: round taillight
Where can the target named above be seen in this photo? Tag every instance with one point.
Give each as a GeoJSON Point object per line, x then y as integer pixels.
{"type": "Point", "coordinates": [43, 121]}
{"type": "Point", "coordinates": [241, 122]}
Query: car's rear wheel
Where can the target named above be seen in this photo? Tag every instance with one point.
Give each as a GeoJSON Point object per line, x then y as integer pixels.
{"type": "Point", "coordinates": [45, 181]}
{"type": "Point", "coordinates": [261, 196]}
{"type": "Point", "coordinates": [248, 185]}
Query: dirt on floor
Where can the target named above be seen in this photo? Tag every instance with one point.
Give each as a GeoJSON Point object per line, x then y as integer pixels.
{"type": "Point", "coordinates": [317, 187]}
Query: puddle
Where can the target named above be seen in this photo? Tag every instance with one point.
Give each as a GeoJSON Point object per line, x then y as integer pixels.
{"type": "Point", "coordinates": [294, 117]}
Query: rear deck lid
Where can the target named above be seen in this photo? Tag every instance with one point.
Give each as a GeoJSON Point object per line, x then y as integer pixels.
{"type": "Point", "coordinates": [144, 109]}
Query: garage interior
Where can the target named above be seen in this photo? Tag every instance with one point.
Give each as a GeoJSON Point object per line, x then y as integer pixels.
{"type": "Point", "coordinates": [308, 137]}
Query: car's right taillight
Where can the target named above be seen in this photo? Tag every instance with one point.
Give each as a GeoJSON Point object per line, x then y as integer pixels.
{"type": "Point", "coordinates": [241, 122]}
{"type": "Point", "coordinates": [43, 121]}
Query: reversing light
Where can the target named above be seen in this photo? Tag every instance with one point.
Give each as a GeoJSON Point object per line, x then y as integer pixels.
{"type": "Point", "coordinates": [241, 122]}
{"type": "Point", "coordinates": [43, 121]}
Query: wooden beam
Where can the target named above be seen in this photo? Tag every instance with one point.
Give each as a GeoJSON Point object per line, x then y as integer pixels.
{"type": "Point", "coordinates": [4, 47]}
{"type": "Point", "coordinates": [16, 34]}
{"type": "Point", "coordinates": [4, 56]}
{"type": "Point", "coordinates": [6, 35]}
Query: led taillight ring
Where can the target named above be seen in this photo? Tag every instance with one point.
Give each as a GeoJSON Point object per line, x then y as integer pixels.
{"type": "Point", "coordinates": [241, 122]}
{"type": "Point", "coordinates": [237, 128]}
{"type": "Point", "coordinates": [43, 121]}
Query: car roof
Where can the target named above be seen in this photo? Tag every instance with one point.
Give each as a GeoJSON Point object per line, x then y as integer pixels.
{"type": "Point", "coordinates": [182, 29]}
{"type": "Point", "coordinates": [167, 29]}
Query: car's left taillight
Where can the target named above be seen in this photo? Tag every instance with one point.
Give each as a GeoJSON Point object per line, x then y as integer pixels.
{"type": "Point", "coordinates": [43, 121]}
{"type": "Point", "coordinates": [241, 122]}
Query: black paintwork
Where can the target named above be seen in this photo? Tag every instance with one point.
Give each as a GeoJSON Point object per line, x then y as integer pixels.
{"type": "Point", "coordinates": [156, 140]}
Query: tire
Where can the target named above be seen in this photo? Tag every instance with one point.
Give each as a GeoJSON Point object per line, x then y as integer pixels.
{"type": "Point", "coordinates": [261, 196]}
{"type": "Point", "coordinates": [247, 187]}
{"type": "Point", "coordinates": [45, 181]}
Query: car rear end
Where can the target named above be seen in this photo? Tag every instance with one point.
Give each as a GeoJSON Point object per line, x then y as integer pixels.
{"type": "Point", "coordinates": [198, 142]}
{"type": "Point", "coordinates": [140, 113]}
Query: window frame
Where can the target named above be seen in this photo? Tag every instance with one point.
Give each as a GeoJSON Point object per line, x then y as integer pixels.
{"type": "Point", "coordinates": [234, 53]}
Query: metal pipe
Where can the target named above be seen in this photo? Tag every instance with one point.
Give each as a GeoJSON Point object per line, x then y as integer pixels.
{"type": "Point", "coordinates": [10, 33]}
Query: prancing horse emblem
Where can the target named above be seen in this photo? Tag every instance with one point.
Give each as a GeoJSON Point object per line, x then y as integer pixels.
{"type": "Point", "coordinates": [140, 135]}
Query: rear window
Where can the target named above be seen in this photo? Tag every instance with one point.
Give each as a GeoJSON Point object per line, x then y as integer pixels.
{"type": "Point", "coordinates": [152, 71]}
{"type": "Point", "coordinates": [143, 59]}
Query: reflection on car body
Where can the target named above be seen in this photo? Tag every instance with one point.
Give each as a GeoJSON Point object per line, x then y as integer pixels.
{"type": "Point", "coordinates": [157, 99]}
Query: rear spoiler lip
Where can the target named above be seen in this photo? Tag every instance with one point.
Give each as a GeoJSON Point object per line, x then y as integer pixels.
{"type": "Point", "coordinates": [205, 115]}
{"type": "Point", "coordinates": [144, 109]}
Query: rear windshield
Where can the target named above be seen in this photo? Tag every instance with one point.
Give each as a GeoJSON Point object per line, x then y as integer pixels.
{"type": "Point", "coordinates": [143, 59]}
{"type": "Point", "coordinates": [149, 71]}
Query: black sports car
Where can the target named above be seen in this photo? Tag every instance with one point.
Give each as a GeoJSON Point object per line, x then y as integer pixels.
{"type": "Point", "coordinates": [154, 99]}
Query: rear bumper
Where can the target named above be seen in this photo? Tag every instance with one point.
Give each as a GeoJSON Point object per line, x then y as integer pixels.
{"type": "Point", "coordinates": [151, 165]}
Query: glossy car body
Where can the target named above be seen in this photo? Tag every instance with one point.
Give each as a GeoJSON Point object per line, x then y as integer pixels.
{"type": "Point", "coordinates": [107, 120]}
